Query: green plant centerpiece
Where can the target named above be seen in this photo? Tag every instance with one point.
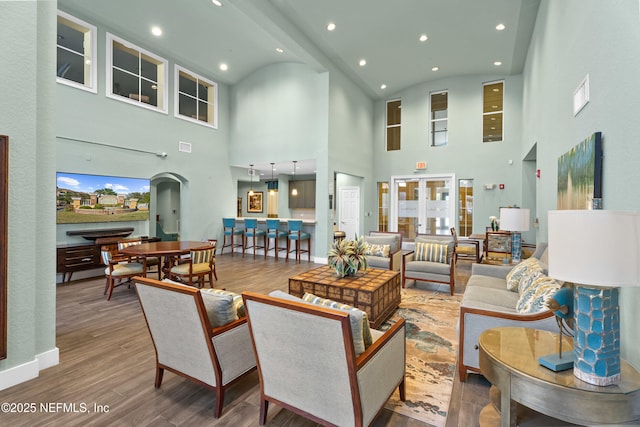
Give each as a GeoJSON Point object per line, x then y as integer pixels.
{"type": "Point", "coordinates": [347, 257]}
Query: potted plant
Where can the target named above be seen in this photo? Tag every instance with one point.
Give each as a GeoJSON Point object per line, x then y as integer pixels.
{"type": "Point", "coordinates": [347, 257]}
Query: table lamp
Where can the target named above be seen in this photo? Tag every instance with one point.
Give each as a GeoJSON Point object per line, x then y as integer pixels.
{"type": "Point", "coordinates": [598, 251]}
{"type": "Point", "coordinates": [515, 220]}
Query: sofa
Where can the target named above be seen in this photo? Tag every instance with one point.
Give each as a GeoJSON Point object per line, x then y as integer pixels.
{"type": "Point", "coordinates": [385, 250]}
{"type": "Point", "coordinates": [498, 296]}
{"type": "Point", "coordinates": [432, 260]}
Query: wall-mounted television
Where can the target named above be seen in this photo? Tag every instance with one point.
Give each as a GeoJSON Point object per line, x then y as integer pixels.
{"type": "Point", "coordinates": [82, 198]}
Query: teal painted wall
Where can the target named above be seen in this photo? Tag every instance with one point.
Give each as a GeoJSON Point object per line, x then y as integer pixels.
{"type": "Point", "coordinates": [27, 111]}
{"type": "Point", "coordinates": [465, 155]}
{"type": "Point", "coordinates": [574, 38]}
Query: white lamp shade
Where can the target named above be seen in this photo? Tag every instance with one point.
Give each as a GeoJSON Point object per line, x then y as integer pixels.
{"type": "Point", "coordinates": [514, 219]}
{"type": "Point", "coordinates": [594, 247]}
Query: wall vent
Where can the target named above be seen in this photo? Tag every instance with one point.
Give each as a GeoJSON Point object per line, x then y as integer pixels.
{"type": "Point", "coordinates": [185, 147]}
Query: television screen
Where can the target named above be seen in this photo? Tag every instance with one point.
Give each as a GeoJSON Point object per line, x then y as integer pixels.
{"type": "Point", "coordinates": [84, 198]}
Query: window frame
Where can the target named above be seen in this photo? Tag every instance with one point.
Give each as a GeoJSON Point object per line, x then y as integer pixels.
{"type": "Point", "coordinates": [388, 126]}
{"type": "Point", "coordinates": [213, 103]}
{"type": "Point", "coordinates": [432, 121]}
{"type": "Point", "coordinates": [162, 75]}
{"type": "Point", "coordinates": [491, 113]}
{"type": "Point", "coordinates": [92, 31]}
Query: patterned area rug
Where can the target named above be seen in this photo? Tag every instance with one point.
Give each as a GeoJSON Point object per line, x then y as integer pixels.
{"type": "Point", "coordinates": [432, 345]}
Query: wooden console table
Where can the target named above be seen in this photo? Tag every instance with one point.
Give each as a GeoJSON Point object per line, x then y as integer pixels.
{"type": "Point", "coordinates": [375, 291]}
{"type": "Point", "coordinates": [509, 360]}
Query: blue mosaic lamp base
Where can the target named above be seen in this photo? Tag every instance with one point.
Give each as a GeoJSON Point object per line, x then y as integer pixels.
{"type": "Point", "coordinates": [516, 246]}
{"type": "Point", "coordinates": [596, 341]}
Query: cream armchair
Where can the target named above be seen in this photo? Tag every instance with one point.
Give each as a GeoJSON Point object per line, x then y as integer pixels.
{"type": "Point", "coordinates": [432, 260]}
{"type": "Point", "coordinates": [185, 342]}
{"type": "Point", "coordinates": [385, 250]}
{"type": "Point", "coordinates": [308, 365]}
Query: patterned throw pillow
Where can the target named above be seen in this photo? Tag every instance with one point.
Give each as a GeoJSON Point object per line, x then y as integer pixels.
{"type": "Point", "coordinates": [365, 332]}
{"type": "Point", "coordinates": [434, 252]}
{"type": "Point", "coordinates": [378, 250]}
{"type": "Point", "coordinates": [534, 298]}
{"type": "Point", "coordinates": [528, 267]}
{"type": "Point", "coordinates": [238, 304]}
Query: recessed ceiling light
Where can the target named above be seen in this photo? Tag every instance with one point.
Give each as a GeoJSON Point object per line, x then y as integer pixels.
{"type": "Point", "coordinates": [279, 50]}
{"type": "Point", "coordinates": [156, 31]}
{"type": "Point", "coordinates": [383, 86]}
{"type": "Point", "coordinates": [436, 68]}
{"type": "Point", "coordinates": [224, 67]}
{"type": "Point", "coordinates": [500, 27]}
{"type": "Point", "coordinates": [331, 26]}
{"type": "Point", "coordinates": [216, 2]}
{"type": "Point", "coordinates": [497, 63]}
{"type": "Point", "coordinates": [423, 38]}
{"type": "Point", "coordinates": [363, 62]}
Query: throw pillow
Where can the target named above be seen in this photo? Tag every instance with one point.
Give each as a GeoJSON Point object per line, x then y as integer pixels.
{"type": "Point", "coordinates": [535, 297]}
{"type": "Point", "coordinates": [434, 252]}
{"type": "Point", "coordinates": [220, 308]}
{"type": "Point", "coordinates": [526, 268]}
{"type": "Point", "coordinates": [360, 330]}
{"type": "Point", "coordinates": [238, 304]}
{"type": "Point", "coordinates": [378, 250]}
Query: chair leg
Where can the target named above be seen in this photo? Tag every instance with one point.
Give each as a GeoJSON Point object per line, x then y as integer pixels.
{"type": "Point", "coordinates": [401, 389]}
{"type": "Point", "coordinates": [309, 249]}
{"type": "Point", "coordinates": [264, 406]}
{"type": "Point", "coordinates": [214, 273]}
{"type": "Point", "coordinates": [254, 244]}
{"type": "Point", "coordinates": [106, 286]}
{"type": "Point", "coordinates": [219, 401]}
{"type": "Point", "coordinates": [264, 245]}
{"type": "Point", "coordinates": [111, 280]}
{"type": "Point", "coordinates": [159, 373]}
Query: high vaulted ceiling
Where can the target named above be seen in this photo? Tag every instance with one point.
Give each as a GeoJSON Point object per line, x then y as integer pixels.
{"type": "Point", "coordinates": [244, 34]}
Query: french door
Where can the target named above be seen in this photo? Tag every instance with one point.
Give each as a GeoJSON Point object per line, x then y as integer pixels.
{"type": "Point", "coordinates": [422, 204]}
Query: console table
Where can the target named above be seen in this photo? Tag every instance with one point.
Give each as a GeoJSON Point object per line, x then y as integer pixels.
{"type": "Point", "coordinates": [375, 291]}
{"type": "Point", "coordinates": [509, 360]}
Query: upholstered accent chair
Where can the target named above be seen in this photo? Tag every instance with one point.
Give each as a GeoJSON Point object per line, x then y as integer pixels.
{"type": "Point", "coordinates": [187, 344]}
{"type": "Point", "coordinates": [151, 261]}
{"type": "Point", "coordinates": [307, 361]}
{"type": "Point", "coordinates": [466, 248]}
{"type": "Point", "coordinates": [432, 260]}
{"type": "Point", "coordinates": [119, 267]}
{"type": "Point", "coordinates": [385, 250]}
{"type": "Point", "coordinates": [200, 264]}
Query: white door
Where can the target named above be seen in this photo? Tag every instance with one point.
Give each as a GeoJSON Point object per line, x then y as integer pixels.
{"type": "Point", "coordinates": [349, 211]}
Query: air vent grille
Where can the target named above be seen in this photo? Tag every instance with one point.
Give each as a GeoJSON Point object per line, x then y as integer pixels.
{"type": "Point", "coordinates": [185, 147]}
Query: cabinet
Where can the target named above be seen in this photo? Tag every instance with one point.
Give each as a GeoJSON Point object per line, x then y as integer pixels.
{"type": "Point", "coordinates": [306, 197]}
{"type": "Point", "coordinates": [77, 257]}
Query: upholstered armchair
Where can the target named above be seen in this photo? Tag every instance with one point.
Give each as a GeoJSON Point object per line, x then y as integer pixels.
{"type": "Point", "coordinates": [191, 336]}
{"type": "Point", "coordinates": [432, 260]}
{"type": "Point", "coordinates": [119, 267]}
{"type": "Point", "coordinates": [199, 264]}
{"type": "Point", "coordinates": [308, 364]}
{"type": "Point", "coordinates": [385, 250]}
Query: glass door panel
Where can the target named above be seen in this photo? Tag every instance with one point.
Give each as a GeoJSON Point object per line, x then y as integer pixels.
{"type": "Point", "coordinates": [465, 207]}
{"type": "Point", "coordinates": [408, 198]}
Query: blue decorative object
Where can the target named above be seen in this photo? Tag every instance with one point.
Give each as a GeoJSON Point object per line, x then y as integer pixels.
{"type": "Point", "coordinates": [562, 306]}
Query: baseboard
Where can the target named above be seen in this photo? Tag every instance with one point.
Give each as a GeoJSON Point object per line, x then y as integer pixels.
{"type": "Point", "coordinates": [30, 370]}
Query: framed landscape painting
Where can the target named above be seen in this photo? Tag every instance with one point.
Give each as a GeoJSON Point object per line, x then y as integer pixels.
{"type": "Point", "coordinates": [254, 202]}
{"type": "Point", "coordinates": [580, 175]}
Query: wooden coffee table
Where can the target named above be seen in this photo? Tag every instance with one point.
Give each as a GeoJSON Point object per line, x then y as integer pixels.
{"type": "Point", "coordinates": [375, 291]}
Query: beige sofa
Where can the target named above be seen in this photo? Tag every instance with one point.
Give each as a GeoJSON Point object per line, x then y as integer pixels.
{"type": "Point", "coordinates": [488, 303]}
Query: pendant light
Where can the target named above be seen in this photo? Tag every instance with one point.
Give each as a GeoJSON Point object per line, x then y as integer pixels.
{"type": "Point", "coordinates": [294, 190]}
{"type": "Point", "coordinates": [273, 184]}
{"type": "Point", "coordinates": [251, 178]}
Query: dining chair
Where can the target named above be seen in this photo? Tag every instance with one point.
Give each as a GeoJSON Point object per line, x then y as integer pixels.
{"type": "Point", "coordinates": [200, 263]}
{"type": "Point", "coordinates": [274, 232]}
{"type": "Point", "coordinates": [466, 248]}
{"type": "Point", "coordinates": [151, 261]}
{"type": "Point", "coordinates": [230, 233]}
{"type": "Point", "coordinates": [297, 235]}
{"type": "Point", "coordinates": [119, 267]}
{"type": "Point", "coordinates": [251, 232]}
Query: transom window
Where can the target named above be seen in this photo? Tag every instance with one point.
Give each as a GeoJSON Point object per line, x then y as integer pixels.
{"type": "Point", "coordinates": [76, 53]}
{"type": "Point", "coordinates": [135, 75]}
{"type": "Point", "coordinates": [196, 98]}
{"type": "Point", "coordinates": [492, 111]}
{"type": "Point", "coordinates": [439, 118]}
{"type": "Point", "coordinates": [394, 116]}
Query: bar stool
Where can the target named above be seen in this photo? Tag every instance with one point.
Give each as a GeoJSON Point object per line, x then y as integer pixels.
{"type": "Point", "coordinates": [231, 232]}
{"type": "Point", "coordinates": [251, 231]}
{"type": "Point", "coordinates": [297, 235]}
{"type": "Point", "coordinates": [274, 232]}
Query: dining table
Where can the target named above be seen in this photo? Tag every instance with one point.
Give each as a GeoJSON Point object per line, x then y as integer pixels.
{"type": "Point", "coordinates": [166, 250]}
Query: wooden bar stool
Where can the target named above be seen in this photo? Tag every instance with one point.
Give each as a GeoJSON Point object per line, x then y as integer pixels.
{"type": "Point", "coordinates": [274, 232]}
{"type": "Point", "coordinates": [251, 231]}
{"type": "Point", "coordinates": [230, 233]}
{"type": "Point", "coordinates": [297, 235]}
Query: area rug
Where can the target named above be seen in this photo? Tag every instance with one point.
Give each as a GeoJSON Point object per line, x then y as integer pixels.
{"type": "Point", "coordinates": [432, 344]}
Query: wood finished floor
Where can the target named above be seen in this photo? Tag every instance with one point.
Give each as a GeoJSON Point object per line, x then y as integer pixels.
{"type": "Point", "coordinates": [107, 360]}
